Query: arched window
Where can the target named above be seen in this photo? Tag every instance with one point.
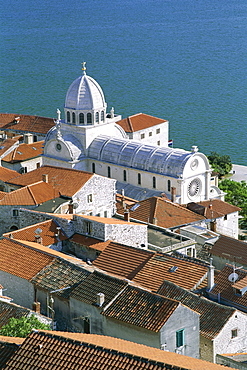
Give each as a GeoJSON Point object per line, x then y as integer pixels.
{"type": "Point", "coordinates": [169, 185]}
{"type": "Point", "coordinates": [97, 117]}
{"type": "Point", "coordinates": [139, 179]}
{"type": "Point", "coordinates": [93, 167]}
{"type": "Point", "coordinates": [73, 117]}
{"type": "Point", "coordinates": [81, 118]}
{"type": "Point", "coordinates": [154, 182]}
{"type": "Point", "coordinates": [102, 115]}
{"type": "Point", "coordinates": [109, 171]}
{"type": "Point", "coordinates": [68, 117]}
{"type": "Point", "coordinates": [89, 118]}
{"type": "Point", "coordinates": [124, 175]}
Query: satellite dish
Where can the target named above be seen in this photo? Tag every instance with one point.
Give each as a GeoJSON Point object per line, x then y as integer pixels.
{"type": "Point", "coordinates": [233, 277]}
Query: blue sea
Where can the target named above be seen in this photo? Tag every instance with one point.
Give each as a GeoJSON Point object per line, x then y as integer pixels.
{"type": "Point", "coordinates": [181, 60]}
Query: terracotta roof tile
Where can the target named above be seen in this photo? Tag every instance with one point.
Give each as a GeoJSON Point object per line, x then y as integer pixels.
{"type": "Point", "coordinates": [48, 233]}
{"type": "Point", "coordinates": [73, 350]}
{"type": "Point", "coordinates": [20, 260]}
{"type": "Point", "coordinates": [226, 288]}
{"type": "Point", "coordinates": [25, 123]}
{"type": "Point", "coordinates": [106, 220]}
{"type": "Point", "coordinates": [161, 212]}
{"type": "Point", "coordinates": [122, 260]}
{"type": "Point", "coordinates": [7, 174]}
{"type": "Point", "coordinates": [8, 144]}
{"type": "Point", "coordinates": [24, 152]}
{"type": "Point", "coordinates": [139, 121]}
{"type": "Point", "coordinates": [14, 340]}
{"type": "Point", "coordinates": [141, 308]}
{"type": "Point", "coordinates": [6, 352]}
{"type": "Point", "coordinates": [89, 242]}
{"type": "Point", "coordinates": [228, 248]}
{"type": "Point", "coordinates": [213, 208]}
{"type": "Point", "coordinates": [213, 316]}
{"type": "Point", "coordinates": [66, 181]}
{"type": "Point", "coordinates": [96, 283]}
{"type": "Point", "coordinates": [183, 272]}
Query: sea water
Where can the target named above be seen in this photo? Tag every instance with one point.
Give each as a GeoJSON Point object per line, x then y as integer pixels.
{"type": "Point", "coordinates": [181, 60]}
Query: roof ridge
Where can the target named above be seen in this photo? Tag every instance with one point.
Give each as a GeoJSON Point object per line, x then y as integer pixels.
{"type": "Point", "coordinates": [31, 193]}
{"type": "Point", "coordinates": [130, 123]}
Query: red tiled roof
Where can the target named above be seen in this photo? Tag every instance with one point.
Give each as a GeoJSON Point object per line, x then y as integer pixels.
{"type": "Point", "coordinates": [24, 152]}
{"type": "Point", "coordinates": [90, 242]}
{"type": "Point", "coordinates": [64, 180]}
{"type": "Point", "coordinates": [106, 220]}
{"type": "Point", "coordinates": [213, 208]}
{"type": "Point", "coordinates": [48, 233]}
{"type": "Point", "coordinates": [25, 123]}
{"type": "Point", "coordinates": [87, 351]}
{"type": "Point", "coordinates": [161, 212]}
{"type": "Point", "coordinates": [122, 260]}
{"type": "Point", "coordinates": [226, 288]}
{"type": "Point", "coordinates": [20, 260]}
{"type": "Point", "coordinates": [230, 248]}
{"type": "Point", "coordinates": [188, 274]}
{"type": "Point", "coordinates": [7, 144]}
{"type": "Point", "coordinates": [29, 195]}
{"type": "Point", "coordinates": [7, 174]}
{"type": "Point", "coordinates": [139, 121]}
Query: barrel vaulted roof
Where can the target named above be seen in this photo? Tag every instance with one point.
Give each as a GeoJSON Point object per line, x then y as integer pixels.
{"type": "Point", "coordinates": [128, 153]}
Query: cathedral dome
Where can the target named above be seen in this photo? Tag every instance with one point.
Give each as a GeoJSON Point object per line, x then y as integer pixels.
{"type": "Point", "coordinates": [85, 94]}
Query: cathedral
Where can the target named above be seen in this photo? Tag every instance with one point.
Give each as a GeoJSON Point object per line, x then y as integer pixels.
{"type": "Point", "coordinates": [135, 151]}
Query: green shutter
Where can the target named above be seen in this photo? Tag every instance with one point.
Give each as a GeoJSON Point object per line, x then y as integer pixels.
{"type": "Point", "coordinates": [180, 338]}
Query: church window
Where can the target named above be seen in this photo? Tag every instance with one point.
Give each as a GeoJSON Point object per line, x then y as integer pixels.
{"type": "Point", "coordinates": [68, 117]}
{"type": "Point", "coordinates": [109, 171]}
{"type": "Point", "coordinates": [124, 175]}
{"type": "Point", "coordinates": [150, 133]}
{"type": "Point", "coordinates": [139, 179]}
{"type": "Point", "coordinates": [142, 136]}
{"type": "Point", "coordinates": [97, 117]}
{"type": "Point", "coordinates": [169, 185]}
{"type": "Point", "coordinates": [58, 147]}
{"type": "Point", "coordinates": [154, 182]}
{"type": "Point", "coordinates": [73, 117]}
{"type": "Point", "coordinates": [102, 115]}
{"type": "Point", "coordinates": [89, 118]}
{"type": "Point", "coordinates": [158, 131]}
{"type": "Point", "coordinates": [93, 167]}
{"type": "Point", "coordinates": [81, 118]}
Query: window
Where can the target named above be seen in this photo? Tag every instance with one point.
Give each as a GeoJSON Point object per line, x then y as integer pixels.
{"type": "Point", "coordinates": [225, 217]}
{"type": "Point", "coordinates": [158, 131]}
{"type": "Point", "coordinates": [139, 179]}
{"type": "Point", "coordinates": [68, 117]}
{"type": "Point", "coordinates": [124, 175]}
{"type": "Point", "coordinates": [89, 118]}
{"type": "Point", "coordinates": [234, 333]}
{"type": "Point", "coordinates": [38, 165]}
{"type": "Point", "coordinates": [73, 117]}
{"type": "Point", "coordinates": [93, 167]}
{"type": "Point", "coordinates": [180, 338]}
{"type": "Point", "coordinates": [90, 198]}
{"type": "Point", "coordinates": [88, 227]}
{"type": "Point", "coordinates": [150, 133]}
{"type": "Point", "coordinates": [158, 142]}
{"type": "Point", "coordinates": [154, 182]}
{"type": "Point", "coordinates": [81, 118]}
{"type": "Point", "coordinates": [15, 212]}
{"type": "Point", "coordinates": [105, 213]}
{"type": "Point", "coordinates": [86, 325]}
{"type": "Point", "coordinates": [97, 117]}
{"type": "Point", "coordinates": [35, 138]}
{"type": "Point", "coordinates": [109, 171]}
{"type": "Point", "coordinates": [102, 115]}
{"type": "Point", "coordinates": [169, 185]}
{"type": "Point", "coordinates": [142, 136]}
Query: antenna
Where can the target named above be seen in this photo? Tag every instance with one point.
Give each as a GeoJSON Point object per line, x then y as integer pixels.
{"type": "Point", "coordinates": [233, 277]}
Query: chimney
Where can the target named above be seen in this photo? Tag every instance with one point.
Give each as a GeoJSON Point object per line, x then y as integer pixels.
{"type": "Point", "coordinates": [28, 138]}
{"type": "Point", "coordinates": [100, 299]}
{"type": "Point", "coordinates": [173, 194]}
{"type": "Point", "coordinates": [210, 275]}
{"type": "Point", "coordinates": [213, 226]}
{"type": "Point", "coordinates": [210, 206]}
{"type": "Point", "coordinates": [36, 307]}
{"type": "Point", "coordinates": [154, 221]}
{"type": "Point", "coordinates": [45, 178]}
{"type": "Point", "coordinates": [126, 215]}
{"type": "Point", "coordinates": [71, 208]}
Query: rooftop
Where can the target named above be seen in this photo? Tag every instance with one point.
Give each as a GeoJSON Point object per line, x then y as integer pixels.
{"type": "Point", "coordinates": [24, 152]}
{"type": "Point", "coordinates": [230, 249]}
{"type": "Point", "coordinates": [7, 174]}
{"type": "Point", "coordinates": [25, 123]}
{"type": "Point", "coordinates": [139, 121]}
{"type": "Point", "coordinates": [213, 208]}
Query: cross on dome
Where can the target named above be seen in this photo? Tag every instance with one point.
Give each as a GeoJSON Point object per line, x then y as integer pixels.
{"type": "Point", "coordinates": [84, 67]}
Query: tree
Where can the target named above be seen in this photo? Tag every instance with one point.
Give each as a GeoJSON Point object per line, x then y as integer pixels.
{"type": "Point", "coordinates": [221, 164]}
{"type": "Point", "coordinates": [236, 195]}
{"type": "Point", "coordinates": [22, 327]}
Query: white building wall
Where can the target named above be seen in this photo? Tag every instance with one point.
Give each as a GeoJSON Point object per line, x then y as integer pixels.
{"type": "Point", "coordinates": [228, 225]}
{"type": "Point", "coordinates": [155, 135]}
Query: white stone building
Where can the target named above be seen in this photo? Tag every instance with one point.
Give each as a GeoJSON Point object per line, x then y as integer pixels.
{"type": "Point", "coordinates": [92, 140]}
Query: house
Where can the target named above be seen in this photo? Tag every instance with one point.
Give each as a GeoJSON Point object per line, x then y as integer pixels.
{"type": "Point", "coordinates": [222, 216]}
{"type": "Point", "coordinates": [70, 350]}
{"type": "Point", "coordinates": [222, 329]}
{"type": "Point", "coordinates": [230, 287]}
{"type": "Point", "coordinates": [19, 124]}
{"type": "Point", "coordinates": [90, 139]}
{"type": "Point", "coordinates": [229, 250]}
{"type": "Point", "coordinates": [146, 128]}
{"type": "Point", "coordinates": [79, 187]}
